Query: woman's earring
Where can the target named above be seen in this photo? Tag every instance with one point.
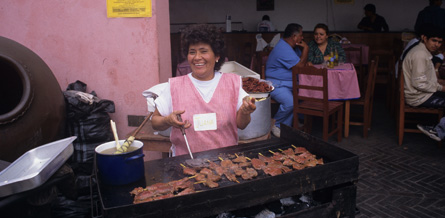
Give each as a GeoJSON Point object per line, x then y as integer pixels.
{"type": "Point", "coordinates": [216, 61]}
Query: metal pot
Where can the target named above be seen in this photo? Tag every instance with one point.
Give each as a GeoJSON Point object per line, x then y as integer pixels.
{"type": "Point", "coordinates": [260, 121]}
{"type": "Point", "coordinates": [120, 169]}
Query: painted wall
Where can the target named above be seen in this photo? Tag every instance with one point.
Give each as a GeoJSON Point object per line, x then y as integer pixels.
{"type": "Point", "coordinates": [116, 57]}
{"type": "Point", "coordinates": [399, 14]}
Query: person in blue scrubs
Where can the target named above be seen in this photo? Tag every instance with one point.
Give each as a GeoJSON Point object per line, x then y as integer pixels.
{"type": "Point", "coordinates": [290, 51]}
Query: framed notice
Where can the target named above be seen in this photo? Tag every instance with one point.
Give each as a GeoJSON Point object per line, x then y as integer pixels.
{"type": "Point", "coordinates": [265, 5]}
{"type": "Point", "coordinates": [129, 8]}
{"type": "Point", "coordinates": [344, 1]}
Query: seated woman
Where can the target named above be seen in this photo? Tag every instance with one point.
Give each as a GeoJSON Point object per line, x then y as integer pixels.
{"type": "Point", "coordinates": [321, 47]}
{"type": "Point", "coordinates": [212, 103]}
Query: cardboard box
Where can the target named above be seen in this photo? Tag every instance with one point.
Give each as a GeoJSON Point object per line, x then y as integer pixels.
{"type": "Point", "coordinates": [236, 68]}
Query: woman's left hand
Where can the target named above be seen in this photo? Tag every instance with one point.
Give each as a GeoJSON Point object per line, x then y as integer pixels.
{"type": "Point", "coordinates": [248, 105]}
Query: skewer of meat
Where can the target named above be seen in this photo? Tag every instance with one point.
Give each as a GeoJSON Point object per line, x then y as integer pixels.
{"type": "Point", "coordinates": [229, 166]}
{"type": "Point", "coordinates": [188, 171]}
{"type": "Point", "coordinates": [152, 192]}
{"type": "Point", "coordinates": [288, 152]}
{"type": "Point", "coordinates": [278, 156]}
{"type": "Point", "coordinates": [249, 174]}
{"type": "Point", "coordinates": [264, 158]}
{"type": "Point", "coordinates": [299, 150]}
{"type": "Point", "coordinates": [208, 178]}
{"type": "Point", "coordinates": [208, 183]}
{"type": "Point", "coordinates": [210, 175]}
{"type": "Point", "coordinates": [288, 162]}
{"type": "Point", "coordinates": [186, 191]}
{"type": "Point", "coordinates": [216, 167]}
{"type": "Point", "coordinates": [242, 161]}
{"type": "Point", "coordinates": [258, 164]}
{"type": "Point", "coordinates": [181, 184]}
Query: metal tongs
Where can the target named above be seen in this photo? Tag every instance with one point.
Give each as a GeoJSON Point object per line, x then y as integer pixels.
{"type": "Point", "coordinates": [185, 137]}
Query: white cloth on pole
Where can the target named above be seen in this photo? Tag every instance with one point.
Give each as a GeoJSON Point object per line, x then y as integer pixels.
{"type": "Point", "coordinates": [275, 40]}
{"type": "Point", "coordinates": [260, 42]}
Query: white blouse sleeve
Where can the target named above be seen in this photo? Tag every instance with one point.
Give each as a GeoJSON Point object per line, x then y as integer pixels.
{"type": "Point", "coordinates": [241, 95]}
{"type": "Point", "coordinates": [164, 102]}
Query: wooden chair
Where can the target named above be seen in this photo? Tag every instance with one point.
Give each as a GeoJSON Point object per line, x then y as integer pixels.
{"type": "Point", "coordinates": [261, 59]}
{"type": "Point", "coordinates": [358, 65]}
{"type": "Point", "coordinates": [404, 108]}
{"type": "Point", "coordinates": [385, 71]}
{"type": "Point", "coordinates": [310, 106]}
{"type": "Point", "coordinates": [367, 98]}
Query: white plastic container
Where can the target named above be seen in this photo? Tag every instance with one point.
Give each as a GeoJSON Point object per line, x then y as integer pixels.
{"type": "Point", "coordinates": [228, 23]}
{"type": "Point", "coordinates": [236, 68]}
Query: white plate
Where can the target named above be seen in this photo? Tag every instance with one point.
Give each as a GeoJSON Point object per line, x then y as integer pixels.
{"type": "Point", "coordinates": [262, 94]}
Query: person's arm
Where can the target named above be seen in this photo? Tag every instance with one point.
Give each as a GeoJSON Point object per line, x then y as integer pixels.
{"type": "Point", "coordinates": [420, 78]}
{"type": "Point", "coordinates": [361, 25]}
{"type": "Point", "coordinates": [161, 123]}
{"type": "Point", "coordinates": [304, 54]}
{"type": "Point", "coordinates": [243, 113]}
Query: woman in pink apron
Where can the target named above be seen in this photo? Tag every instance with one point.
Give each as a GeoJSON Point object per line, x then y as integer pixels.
{"type": "Point", "coordinates": [212, 104]}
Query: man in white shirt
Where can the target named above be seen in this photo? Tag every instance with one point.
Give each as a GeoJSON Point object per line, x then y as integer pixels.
{"type": "Point", "coordinates": [265, 25]}
{"type": "Point", "coordinates": [422, 87]}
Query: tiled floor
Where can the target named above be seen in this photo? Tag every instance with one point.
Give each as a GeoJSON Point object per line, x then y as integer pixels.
{"type": "Point", "coordinates": [396, 181]}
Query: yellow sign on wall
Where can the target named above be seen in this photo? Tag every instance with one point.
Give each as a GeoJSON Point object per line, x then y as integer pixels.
{"type": "Point", "coordinates": [129, 8]}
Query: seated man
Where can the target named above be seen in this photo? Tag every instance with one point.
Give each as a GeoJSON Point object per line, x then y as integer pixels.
{"type": "Point", "coordinates": [372, 22]}
{"type": "Point", "coordinates": [422, 87]}
{"type": "Point", "coordinates": [265, 25]}
{"type": "Point", "coordinates": [290, 51]}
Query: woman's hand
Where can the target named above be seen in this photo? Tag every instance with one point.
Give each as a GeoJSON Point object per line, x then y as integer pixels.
{"type": "Point", "coordinates": [172, 120]}
{"type": "Point", "coordinates": [160, 122]}
{"type": "Point", "coordinates": [248, 105]}
{"type": "Point", "coordinates": [243, 113]}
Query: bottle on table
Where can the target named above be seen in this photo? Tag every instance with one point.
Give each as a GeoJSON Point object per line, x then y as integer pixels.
{"type": "Point", "coordinates": [331, 60]}
{"type": "Point", "coordinates": [336, 58]}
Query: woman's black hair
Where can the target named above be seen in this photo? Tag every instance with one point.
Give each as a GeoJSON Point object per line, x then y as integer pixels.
{"type": "Point", "coordinates": [203, 33]}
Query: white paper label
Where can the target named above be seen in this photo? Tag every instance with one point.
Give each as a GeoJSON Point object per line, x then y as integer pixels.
{"type": "Point", "coordinates": [204, 122]}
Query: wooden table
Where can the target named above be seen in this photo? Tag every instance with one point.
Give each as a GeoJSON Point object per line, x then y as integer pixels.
{"type": "Point", "coordinates": [342, 86]}
{"type": "Point", "coordinates": [152, 141]}
{"type": "Point", "coordinates": [155, 142]}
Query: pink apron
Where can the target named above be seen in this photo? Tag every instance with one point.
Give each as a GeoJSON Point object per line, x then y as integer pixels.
{"type": "Point", "coordinates": [224, 101]}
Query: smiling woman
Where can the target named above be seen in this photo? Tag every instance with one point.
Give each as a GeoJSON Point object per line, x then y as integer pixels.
{"type": "Point", "coordinates": [202, 61]}
{"type": "Point", "coordinates": [211, 102]}
{"type": "Point", "coordinates": [321, 47]}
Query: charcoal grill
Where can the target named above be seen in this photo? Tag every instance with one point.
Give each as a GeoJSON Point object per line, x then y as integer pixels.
{"type": "Point", "coordinates": [335, 180]}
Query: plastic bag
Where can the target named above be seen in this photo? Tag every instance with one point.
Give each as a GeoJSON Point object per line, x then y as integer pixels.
{"type": "Point", "coordinates": [88, 119]}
